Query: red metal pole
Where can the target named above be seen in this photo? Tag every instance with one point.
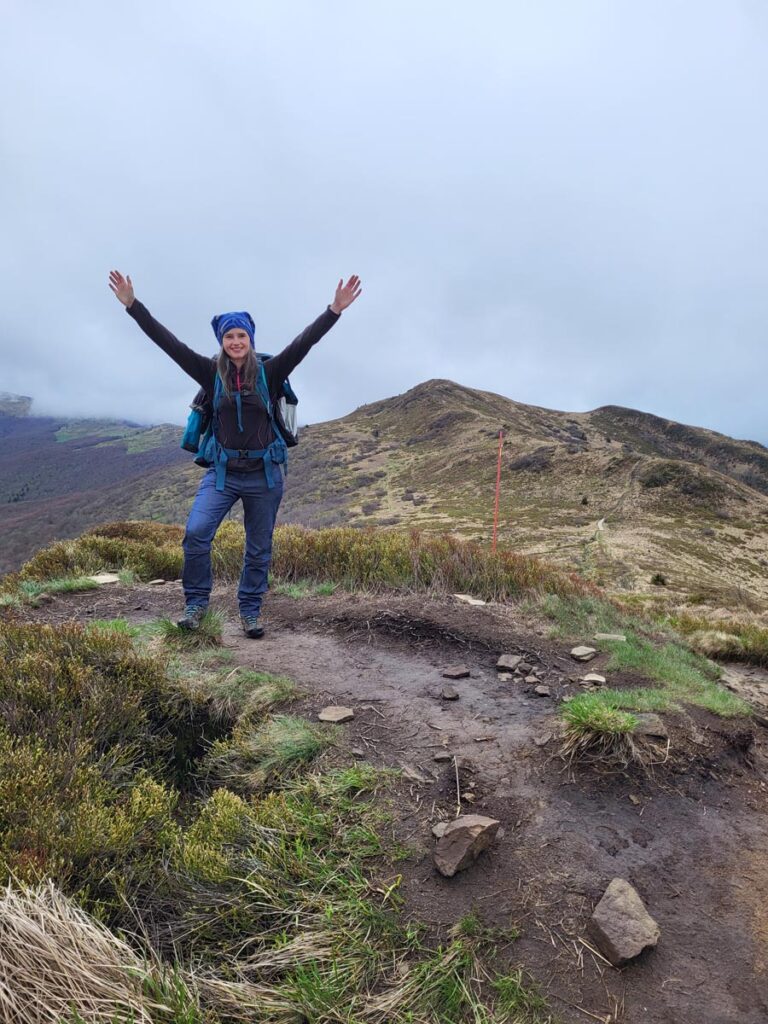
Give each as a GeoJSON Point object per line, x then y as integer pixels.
{"type": "Point", "coordinates": [498, 486]}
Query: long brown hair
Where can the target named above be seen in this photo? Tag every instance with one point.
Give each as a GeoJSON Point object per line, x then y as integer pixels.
{"type": "Point", "coordinates": [225, 367]}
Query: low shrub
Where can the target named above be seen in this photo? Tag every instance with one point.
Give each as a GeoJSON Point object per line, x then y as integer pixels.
{"type": "Point", "coordinates": [366, 559]}
{"type": "Point", "coordinates": [373, 559]}
{"type": "Point", "coordinates": [724, 638]}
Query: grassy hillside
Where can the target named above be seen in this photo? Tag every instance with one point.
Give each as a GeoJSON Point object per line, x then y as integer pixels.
{"type": "Point", "coordinates": [632, 501]}
{"type": "Point", "coordinates": [675, 502]}
{"type": "Point", "coordinates": [58, 477]}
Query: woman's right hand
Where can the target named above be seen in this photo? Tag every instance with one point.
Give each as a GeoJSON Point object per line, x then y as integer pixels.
{"type": "Point", "coordinates": [122, 287]}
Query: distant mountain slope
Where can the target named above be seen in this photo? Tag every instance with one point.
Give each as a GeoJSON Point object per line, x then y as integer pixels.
{"type": "Point", "coordinates": [680, 502]}
{"type": "Point", "coordinates": [57, 477]}
{"type": "Point", "coordinates": [620, 495]}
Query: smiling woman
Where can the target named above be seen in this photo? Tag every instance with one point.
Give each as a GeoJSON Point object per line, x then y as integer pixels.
{"type": "Point", "coordinates": [248, 451]}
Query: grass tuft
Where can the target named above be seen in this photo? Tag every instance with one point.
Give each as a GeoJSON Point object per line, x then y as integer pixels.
{"type": "Point", "coordinates": [597, 731]}
{"type": "Point", "coordinates": [207, 634]}
{"type": "Point", "coordinates": [254, 757]}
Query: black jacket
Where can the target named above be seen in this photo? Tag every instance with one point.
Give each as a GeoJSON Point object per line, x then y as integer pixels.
{"type": "Point", "coordinates": [257, 430]}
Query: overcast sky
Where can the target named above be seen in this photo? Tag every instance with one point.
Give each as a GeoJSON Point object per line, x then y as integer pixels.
{"type": "Point", "coordinates": [562, 201]}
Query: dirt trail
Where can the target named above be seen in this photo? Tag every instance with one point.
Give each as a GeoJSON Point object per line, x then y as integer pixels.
{"type": "Point", "coordinates": [692, 841]}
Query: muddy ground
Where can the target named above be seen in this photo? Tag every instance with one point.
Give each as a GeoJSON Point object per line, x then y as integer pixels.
{"type": "Point", "coordinates": [692, 836]}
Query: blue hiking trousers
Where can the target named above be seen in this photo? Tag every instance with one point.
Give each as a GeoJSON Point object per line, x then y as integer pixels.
{"type": "Point", "coordinates": [260, 505]}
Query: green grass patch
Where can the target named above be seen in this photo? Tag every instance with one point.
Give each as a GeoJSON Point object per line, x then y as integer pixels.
{"type": "Point", "coordinates": [207, 634]}
{"type": "Point", "coordinates": [518, 1001]}
{"type": "Point", "coordinates": [253, 757]}
{"type": "Point", "coordinates": [598, 731]}
{"type": "Point", "coordinates": [582, 617]}
{"type": "Point", "coordinates": [304, 588]}
{"type": "Point", "coordinates": [685, 676]}
{"type": "Point", "coordinates": [114, 626]}
{"type": "Point", "coordinates": [589, 712]}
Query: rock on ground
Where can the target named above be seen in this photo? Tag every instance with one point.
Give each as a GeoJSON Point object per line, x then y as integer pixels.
{"type": "Point", "coordinates": [508, 662]}
{"type": "Point", "coordinates": [449, 693]}
{"type": "Point", "coordinates": [456, 672]}
{"type": "Point", "coordinates": [336, 713]}
{"type": "Point", "coordinates": [583, 653]}
{"type": "Point", "coordinates": [621, 925]}
{"type": "Point", "coordinates": [463, 841]}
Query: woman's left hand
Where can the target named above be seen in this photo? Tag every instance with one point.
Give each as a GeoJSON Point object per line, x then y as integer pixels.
{"type": "Point", "coordinates": [346, 293]}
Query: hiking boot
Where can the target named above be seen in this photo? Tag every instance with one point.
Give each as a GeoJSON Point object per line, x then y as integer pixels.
{"type": "Point", "coordinates": [193, 613]}
{"type": "Point", "coordinates": [251, 626]}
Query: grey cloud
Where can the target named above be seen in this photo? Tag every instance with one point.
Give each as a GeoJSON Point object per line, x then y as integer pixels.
{"type": "Point", "coordinates": [560, 202]}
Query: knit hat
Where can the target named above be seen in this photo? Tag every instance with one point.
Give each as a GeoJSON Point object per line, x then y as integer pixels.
{"type": "Point", "coordinates": [226, 321]}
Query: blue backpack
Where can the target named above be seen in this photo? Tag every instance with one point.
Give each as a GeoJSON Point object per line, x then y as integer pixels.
{"type": "Point", "coordinates": [200, 433]}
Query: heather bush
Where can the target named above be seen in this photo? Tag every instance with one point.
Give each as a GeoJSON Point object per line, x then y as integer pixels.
{"type": "Point", "coordinates": [724, 638]}
{"type": "Point", "coordinates": [373, 559]}
{"type": "Point", "coordinates": [368, 559]}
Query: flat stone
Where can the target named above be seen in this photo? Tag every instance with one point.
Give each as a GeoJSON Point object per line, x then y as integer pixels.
{"type": "Point", "coordinates": [651, 725]}
{"type": "Point", "coordinates": [449, 693]}
{"type": "Point", "coordinates": [468, 599]}
{"type": "Point", "coordinates": [504, 676]}
{"type": "Point", "coordinates": [621, 925]}
{"type": "Point", "coordinates": [542, 690]}
{"type": "Point", "coordinates": [358, 752]}
{"type": "Point", "coordinates": [583, 653]}
{"type": "Point", "coordinates": [336, 714]}
{"type": "Point", "coordinates": [463, 841]}
{"type": "Point", "coordinates": [442, 757]}
{"type": "Point", "coordinates": [508, 662]}
{"type": "Point", "coordinates": [594, 677]}
{"type": "Point", "coordinates": [456, 672]}
{"type": "Point", "coordinates": [543, 740]}
{"type": "Point", "coordinates": [531, 679]}
{"type": "Point", "coordinates": [157, 583]}
{"type": "Point", "coordinates": [619, 637]}
{"type": "Point", "coordinates": [525, 667]}
{"type": "Point", "coordinates": [104, 577]}
{"type": "Point", "coordinates": [439, 829]}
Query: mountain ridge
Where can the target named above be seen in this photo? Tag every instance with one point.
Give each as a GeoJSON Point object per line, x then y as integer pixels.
{"type": "Point", "coordinates": [679, 501]}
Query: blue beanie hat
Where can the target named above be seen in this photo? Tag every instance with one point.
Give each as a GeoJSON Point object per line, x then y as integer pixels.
{"type": "Point", "coordinates": [226, 321]}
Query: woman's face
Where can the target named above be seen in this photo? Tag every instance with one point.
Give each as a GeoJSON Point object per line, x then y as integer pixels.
{"type": "Point", "coordinates": [236, 343]}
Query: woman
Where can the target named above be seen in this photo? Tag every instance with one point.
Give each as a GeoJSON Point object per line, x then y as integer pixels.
{"type": "Point", "coordinates": [250, 452]}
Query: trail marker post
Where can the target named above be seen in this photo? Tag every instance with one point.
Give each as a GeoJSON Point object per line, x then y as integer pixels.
{"type": "Point", "coordinates": [498, 486]}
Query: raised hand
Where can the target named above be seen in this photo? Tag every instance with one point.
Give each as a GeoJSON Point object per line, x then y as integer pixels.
{"type": "Point", "coordinates": [346, 293]}
{"type": "Point", "coordinates": [122, 287]}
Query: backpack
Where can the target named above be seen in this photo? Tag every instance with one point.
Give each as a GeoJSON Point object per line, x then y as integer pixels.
{"type": "Point", "coordinates": [200, 437]}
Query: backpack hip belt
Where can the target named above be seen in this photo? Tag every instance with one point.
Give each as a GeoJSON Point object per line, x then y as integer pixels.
{"type": "Point", "coordinates": [275, 455]}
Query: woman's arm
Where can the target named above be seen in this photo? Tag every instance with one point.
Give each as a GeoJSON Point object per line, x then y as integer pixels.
{"type": "Point", "coordinates": [199, 368]}
{"type": "Point", "coordinates": [280, 366]}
